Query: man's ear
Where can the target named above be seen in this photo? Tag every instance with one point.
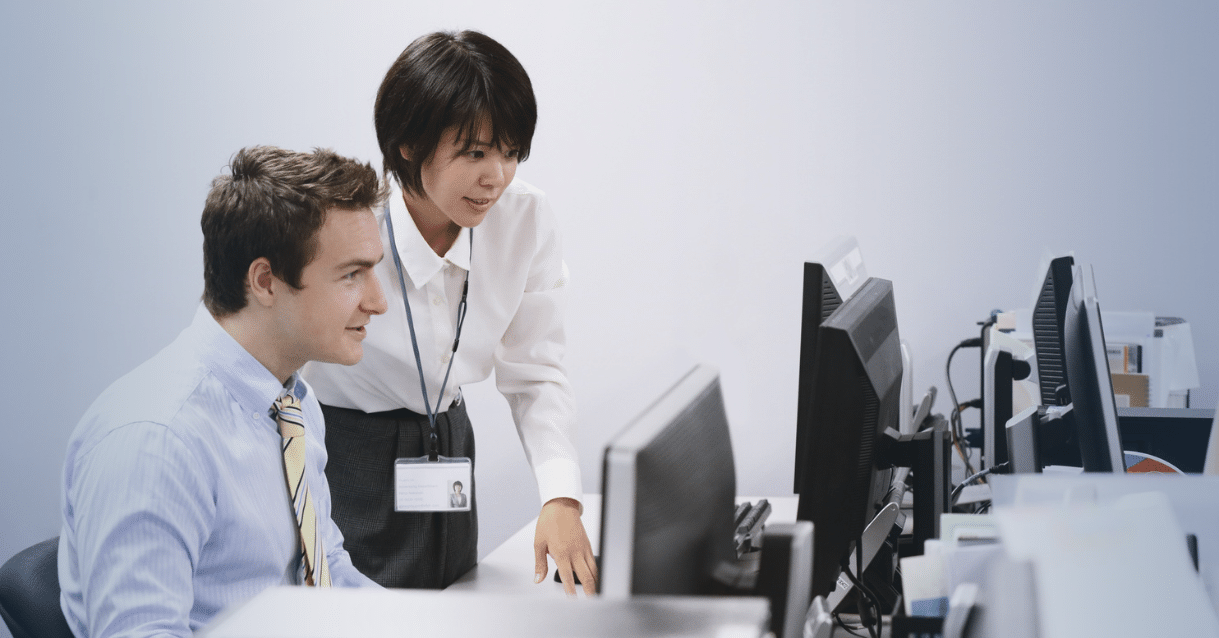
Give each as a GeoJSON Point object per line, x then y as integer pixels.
{"type": "Point", "coordinates": [404, 151]}
{"type": "Point", "coordinates": [259, 282]}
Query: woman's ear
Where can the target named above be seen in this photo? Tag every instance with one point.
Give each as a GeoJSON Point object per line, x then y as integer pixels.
{"type": "Point", "coordinates": [404, 151]}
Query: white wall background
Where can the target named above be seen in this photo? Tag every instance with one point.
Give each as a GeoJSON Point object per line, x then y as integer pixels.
{"type": "Point", "coordinates": [696, 152]}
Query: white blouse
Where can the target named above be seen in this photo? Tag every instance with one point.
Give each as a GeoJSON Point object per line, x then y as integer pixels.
{"type": "Point", "coordinates": [514, 326]}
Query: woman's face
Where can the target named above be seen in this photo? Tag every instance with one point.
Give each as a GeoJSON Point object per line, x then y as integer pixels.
{"type": "Point", "coordinates": [461, 187]}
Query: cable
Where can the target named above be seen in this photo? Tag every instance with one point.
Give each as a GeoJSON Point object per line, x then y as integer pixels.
{"type": "Point", "coordinates": [849, 630]}
{"type": "Point", "coordinates": [866, 597]}
{"type": "Point", "coordinates": [955, 425]}
{"type": "Point", "coordinates": [956, 491]}
{"type": "Point", "coordinates": [878, 616]}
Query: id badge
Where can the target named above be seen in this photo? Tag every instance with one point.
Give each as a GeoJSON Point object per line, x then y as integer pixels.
{"type": "Point", "coordinates": [443, 485]}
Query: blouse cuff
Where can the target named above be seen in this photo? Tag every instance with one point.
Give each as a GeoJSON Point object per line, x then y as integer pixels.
{"type": "Point", "coordinates": [559, 478]}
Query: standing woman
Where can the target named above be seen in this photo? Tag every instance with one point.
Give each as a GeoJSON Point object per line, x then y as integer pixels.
{"type": "Point", "coordinates": [454, 115]}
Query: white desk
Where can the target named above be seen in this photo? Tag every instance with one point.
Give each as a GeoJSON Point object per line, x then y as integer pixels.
{"type": "Point", "coordinates": [509, 568]}
{"type": "Point", "coordinates": [307, 612]}
{"type": "Point", "coordinates": [496, 598]}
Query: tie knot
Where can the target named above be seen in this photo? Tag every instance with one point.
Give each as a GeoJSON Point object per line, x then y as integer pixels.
{"type": "Point", "coordinates": [287, 410]}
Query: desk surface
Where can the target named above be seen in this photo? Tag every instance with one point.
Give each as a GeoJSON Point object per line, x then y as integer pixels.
{"type": "Point", "coordinates": [307, 612]}
{"type": "Point", "coordinates": [509, 568]}
{"type": "Point", "coordinates": [498, 597]}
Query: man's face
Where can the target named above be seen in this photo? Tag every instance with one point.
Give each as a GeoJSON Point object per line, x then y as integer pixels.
{"type": "Point", "coordinates": [462, 187]}
{"type": "Point", "coordinates": [325, 319]}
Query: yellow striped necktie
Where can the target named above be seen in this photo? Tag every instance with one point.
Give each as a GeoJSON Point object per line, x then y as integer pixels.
{"type": "Point", "coordinates": [287, 410]}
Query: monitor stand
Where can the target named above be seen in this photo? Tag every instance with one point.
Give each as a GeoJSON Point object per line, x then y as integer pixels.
{"type": "Point", "coordinates": [785, 575]}
{"type": "Point", "coordinates": [1040, 436]}
{"type": "Point", "coordinates": [1005, 362]}
{"type": "Point", "coordinates": [928, 455]}
{"type": "Point", "coordinates": [873, 538]}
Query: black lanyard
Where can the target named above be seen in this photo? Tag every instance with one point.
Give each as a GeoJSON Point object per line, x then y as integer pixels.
{"type": "Point", "coordinates": [434, 446]}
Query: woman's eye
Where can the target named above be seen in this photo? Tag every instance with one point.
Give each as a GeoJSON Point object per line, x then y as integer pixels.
{"type": "Point", "coordinates": [512, 153]}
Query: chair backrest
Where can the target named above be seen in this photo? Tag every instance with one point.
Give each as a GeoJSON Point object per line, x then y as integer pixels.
{"type": "Point", "coordinates": [29, 593]}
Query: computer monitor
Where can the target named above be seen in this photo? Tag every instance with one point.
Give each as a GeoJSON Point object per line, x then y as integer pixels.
{"type": "Point", "coordinates": [858, 372]}
{"type": "Point", "coordinates": [821, 299]}
{"type": "Point", "coordinates": [1081, 427]}
{"type": "Point", "coordinates": [1048, 313]}
{"type": "Point", "coordinates": [668, 495]}
{"type": "Point", "coordinates": [1211, 464]}
{"type": "Point", "coordinates": [1179, 437]}
{"type": "Point", "coordinates": [1089, 384]}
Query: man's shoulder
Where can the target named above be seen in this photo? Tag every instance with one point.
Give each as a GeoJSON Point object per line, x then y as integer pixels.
{"type": "Point", "coordinates": [158, 392]}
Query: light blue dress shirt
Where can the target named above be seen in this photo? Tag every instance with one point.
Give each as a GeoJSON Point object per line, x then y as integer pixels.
{"type": "Point", "coordinates": [174, 500]}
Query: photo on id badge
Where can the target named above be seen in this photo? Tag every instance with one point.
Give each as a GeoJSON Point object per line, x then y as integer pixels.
{"type": "Point", "coordinates": [432, 486]}
{"type": "Point", "coordinates": [457, 500]}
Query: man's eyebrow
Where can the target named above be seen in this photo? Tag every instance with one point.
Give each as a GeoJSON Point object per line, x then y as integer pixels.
{"type": "Point", "coordinates": [364, 263]}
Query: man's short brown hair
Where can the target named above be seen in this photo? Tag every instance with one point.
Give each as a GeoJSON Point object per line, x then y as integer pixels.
{"type": "Point", "coordinates": [272, 204]}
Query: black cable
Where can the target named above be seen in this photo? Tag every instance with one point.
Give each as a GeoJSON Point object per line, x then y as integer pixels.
{"type": "Point", "coordinates": [954, 417]}
{"type": "Point", "coordinates": [892, 488]}
{"type": "Point", "coordinates": [955, 426]}
{"type": "Point", "coordinates": [866, 597]}
{"type": "Point", "coordinates": [849, 630]}
{"type": "Point", "coordinates": [872, 602]}
{"type": "Point", "coordinates": [956, 491]}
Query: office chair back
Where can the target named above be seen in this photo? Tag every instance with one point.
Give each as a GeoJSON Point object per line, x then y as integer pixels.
{"type": "Point", "coordinates": [29, 593]}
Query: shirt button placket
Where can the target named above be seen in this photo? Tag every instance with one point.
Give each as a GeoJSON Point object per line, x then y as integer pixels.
{"type": "Point", "coordinates": [441, 330]}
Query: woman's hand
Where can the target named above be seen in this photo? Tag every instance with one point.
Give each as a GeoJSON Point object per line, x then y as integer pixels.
{"type": "Point", "coordinates": [560, 533]}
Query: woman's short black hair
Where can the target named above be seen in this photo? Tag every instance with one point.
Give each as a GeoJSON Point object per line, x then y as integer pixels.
{"type": "Point", "coordinates": [444, 80]}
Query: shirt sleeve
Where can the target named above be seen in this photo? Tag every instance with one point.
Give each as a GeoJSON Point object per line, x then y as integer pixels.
{"type": "Point", "coordinates": [136, 554]}
{"type": "Point", "coordinates": [342, 572]}
{"type": "Point", "coordinates": [529, 370]}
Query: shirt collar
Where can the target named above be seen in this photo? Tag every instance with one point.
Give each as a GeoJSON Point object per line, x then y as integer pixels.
{"type": "Point", "coordinates": [248, 380]}
{"type": "Point", "coordinates": [419, 262]}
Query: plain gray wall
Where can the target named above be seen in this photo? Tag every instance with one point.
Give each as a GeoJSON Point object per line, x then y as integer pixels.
{"type": "Point", "coordinates": [696, 153]}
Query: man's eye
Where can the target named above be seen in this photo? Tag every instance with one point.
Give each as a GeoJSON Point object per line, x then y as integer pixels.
{"type": "Point", "coordinates": [476, 154]}
{"type": "Point", "coordinates": [513, 153]}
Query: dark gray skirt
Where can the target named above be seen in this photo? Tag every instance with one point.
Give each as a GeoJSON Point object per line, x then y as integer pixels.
{"type": "Point", "coordinates": [397, 549]}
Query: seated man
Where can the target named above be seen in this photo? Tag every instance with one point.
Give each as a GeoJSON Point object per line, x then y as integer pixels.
{"type": "Point", "coordinates": [196, 480]}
